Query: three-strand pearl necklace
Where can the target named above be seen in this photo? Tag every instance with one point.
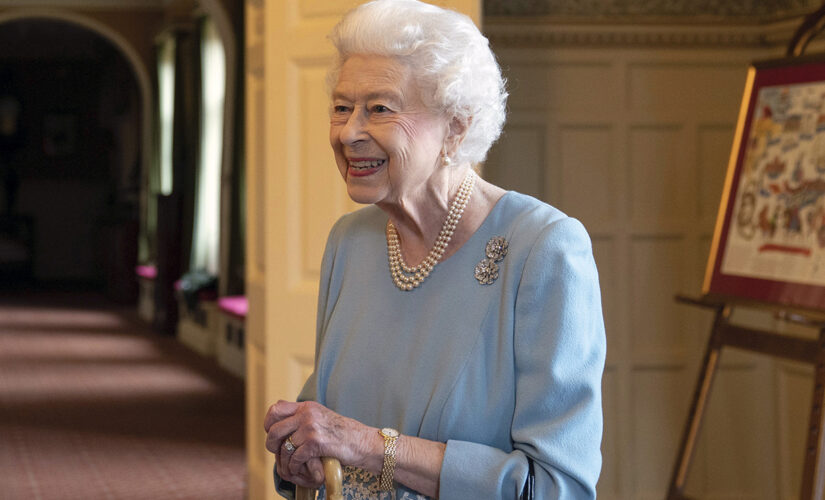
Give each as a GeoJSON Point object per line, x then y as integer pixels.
{"type": "Point", "coordinates": [405, 277]}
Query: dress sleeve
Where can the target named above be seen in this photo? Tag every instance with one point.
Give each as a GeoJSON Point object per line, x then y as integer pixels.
{"type": "Point", "coordinates": [310, 390]}
{"type": "Point", "coordinates": [559, 350]}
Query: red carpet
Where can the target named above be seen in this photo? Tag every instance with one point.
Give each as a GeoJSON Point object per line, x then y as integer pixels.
{"type": "Point", "coordinates": [93, 406]}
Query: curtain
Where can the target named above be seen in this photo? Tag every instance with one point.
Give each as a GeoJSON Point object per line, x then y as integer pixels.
{"type": "Point", "coordinates": [166, 100]}
{"type": "Point", "coordinates": [206, 237]}
{"type": "Point", "coordinates": [161, 165]}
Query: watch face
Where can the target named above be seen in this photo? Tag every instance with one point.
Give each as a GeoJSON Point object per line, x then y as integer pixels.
{"type": "Point", "coordinates": [389, 432]}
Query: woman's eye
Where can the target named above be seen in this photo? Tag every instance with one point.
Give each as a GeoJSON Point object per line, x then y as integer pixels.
{"type": "Point", "coordinates": [380, 108]}
{"type": "Point", "coordinates": [340, 109]}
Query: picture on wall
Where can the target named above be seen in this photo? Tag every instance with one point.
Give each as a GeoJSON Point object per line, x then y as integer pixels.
{"type": "Point", "coordinates": [769, 243]}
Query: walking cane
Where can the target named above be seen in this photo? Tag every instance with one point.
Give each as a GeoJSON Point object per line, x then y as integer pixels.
{"type": "Point", "coordinates": [334, 478]}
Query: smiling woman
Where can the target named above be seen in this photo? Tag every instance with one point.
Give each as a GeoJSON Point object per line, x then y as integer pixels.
{"type": "Point", "coordinates": [386, 142]}
{"type": "Point", "coordinates": [460, 340]}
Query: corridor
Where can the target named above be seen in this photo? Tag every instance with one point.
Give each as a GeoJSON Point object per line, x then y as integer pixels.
{"type": "Point", "coordinates": [95, 406]}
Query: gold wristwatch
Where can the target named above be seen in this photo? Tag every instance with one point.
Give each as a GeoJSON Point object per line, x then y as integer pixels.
{"type": "Point", "coordinates": [390, 440]}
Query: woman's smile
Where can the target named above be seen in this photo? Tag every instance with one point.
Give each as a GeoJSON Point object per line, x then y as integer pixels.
{"type": "Point", "coordinates": [362, 167]}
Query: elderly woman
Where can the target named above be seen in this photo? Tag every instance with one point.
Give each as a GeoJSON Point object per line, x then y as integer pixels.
{"type": "Point", "coordinates": [460, 342]}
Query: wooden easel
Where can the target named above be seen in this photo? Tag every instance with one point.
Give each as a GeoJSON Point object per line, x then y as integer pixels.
{"type": "Point", "coordinates": [723, 333]}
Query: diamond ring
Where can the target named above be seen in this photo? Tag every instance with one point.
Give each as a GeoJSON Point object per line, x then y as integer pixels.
{"type": "Point", "coordinates": [289, 445]}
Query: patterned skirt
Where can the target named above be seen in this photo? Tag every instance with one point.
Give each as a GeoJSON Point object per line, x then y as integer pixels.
{"type": "Point", "coordinates": [360, 484]}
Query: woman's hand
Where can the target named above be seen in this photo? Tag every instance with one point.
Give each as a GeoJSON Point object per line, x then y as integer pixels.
{"type": "Point", "coordinates": [316, 431]}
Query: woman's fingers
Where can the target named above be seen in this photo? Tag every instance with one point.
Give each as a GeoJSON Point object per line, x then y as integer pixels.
{"type": "Point", "coordinates": [304, 452]}
{"type": "Point", "coordinates": [279, 411]}
{"type": "Point", "coordinates": [316, 471]}
{"type": "Point", "coordinates": [283, 457]}
{"type": "Point", "coordinates": [280, 422]}
{"type": "Point", "coordinates": [314, 431]}
{"type": "Point", "coordinates": [277, 434]}
{"type": "Point", "coordinates": [299, 470]}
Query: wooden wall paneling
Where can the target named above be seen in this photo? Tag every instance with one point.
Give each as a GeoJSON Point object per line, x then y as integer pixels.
{"type": "Point", "coordinates": [664, 87]}
{"type": "Point", "coordinates": [646, 133]}
{"type": "Point", "coordinates": [594, 94]}
{"type": "Point", "coordinates": [794, 385]}
{"type": "Point", "coordinates": [658, 175]}
{"type": "Point", "coordinates": [792, 401]}
{"type": "Point", "coordinates": [604, 253]}
{"type": "Point", "coordinates": [587, 176]}
{"type": "Point", "coordinates": [657, 322]}
{"type": "Point", "coordinates": [658, 415]}
{"type": "Point", "coordinates": [523, 149]}
{"type": "Point", "coordinates": [738, 412]}
{"type": "Point", "coordinates": [713, 149]}
{"type": "Point", "coordinates": [313, 180]}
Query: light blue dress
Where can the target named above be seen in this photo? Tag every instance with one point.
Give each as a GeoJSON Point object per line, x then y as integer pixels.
{"type": "Point", "coordinates": [496, 371]}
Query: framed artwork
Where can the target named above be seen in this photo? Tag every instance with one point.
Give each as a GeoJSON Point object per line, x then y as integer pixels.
{"type": "Point", "coordinates": [769, 242]}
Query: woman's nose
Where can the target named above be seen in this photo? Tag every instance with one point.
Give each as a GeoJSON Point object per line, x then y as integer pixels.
{"type": "Point", "coordinates": [353, 129]}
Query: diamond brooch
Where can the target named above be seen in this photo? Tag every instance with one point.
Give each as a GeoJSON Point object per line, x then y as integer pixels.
{"type": "Point", "coordinates": [486, 271]}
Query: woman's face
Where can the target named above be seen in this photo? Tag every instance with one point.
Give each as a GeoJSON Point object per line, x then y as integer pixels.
{"type": "Point", "coordinates": [387, 144]}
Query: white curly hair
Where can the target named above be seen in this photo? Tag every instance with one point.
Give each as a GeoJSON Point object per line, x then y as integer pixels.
{"type": "Point", "coordinates": [451, 59]}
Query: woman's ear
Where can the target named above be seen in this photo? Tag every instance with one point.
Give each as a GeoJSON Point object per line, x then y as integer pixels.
{"type": "Point", "coordinates": [455, 135]}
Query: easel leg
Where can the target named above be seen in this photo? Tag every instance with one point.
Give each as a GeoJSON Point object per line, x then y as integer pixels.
{"type": "Point", "coordinates": [697, 407]}
{"type": "Point", "coordinates": [813, 475]}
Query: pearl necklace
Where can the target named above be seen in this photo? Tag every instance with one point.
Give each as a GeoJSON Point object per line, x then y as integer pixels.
{"type": "Point", "coordinates": [405, 277]}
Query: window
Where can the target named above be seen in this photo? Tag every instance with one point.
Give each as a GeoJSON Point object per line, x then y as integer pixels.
{"type": "Point", "coordinates": [166, 98]}
{"type": "Point", "coordinates": [206, 237]}
{"type": "Point", "coordinates": [160, 173]}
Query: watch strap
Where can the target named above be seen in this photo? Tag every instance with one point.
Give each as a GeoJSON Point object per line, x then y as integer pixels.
{"type": "Point", "coordinates": [390, 436]}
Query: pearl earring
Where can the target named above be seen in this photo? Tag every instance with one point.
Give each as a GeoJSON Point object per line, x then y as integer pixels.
{"type": "Point", "coordinates": [445, 160]}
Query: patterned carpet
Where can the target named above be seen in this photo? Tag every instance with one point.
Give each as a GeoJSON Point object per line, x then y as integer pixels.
{"type": "Point", "coordinates": [94, 406]}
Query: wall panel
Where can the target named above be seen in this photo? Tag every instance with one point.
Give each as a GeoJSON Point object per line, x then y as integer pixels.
{"type": "Point", "coordinates": [713, 151]}
{"type": "Point", "coordinates": [660, 86]}
{"type": "Point", "coordinates": [587, 174]}
{"type": "Point", "coordinates": [738, 413]}
{"type": "Point", "coordinates": [657, 321]}
{"type": "Point", "coordinates": [637, 140]}
{"type": "Point", "coordinates": [593, 94]}
{"type": "Point", "coordinates": [658, 175]}
{"type": "Point", "coordinates": [795, 387]}
{"type": "Point", "coordinates": [317, 172]}
{"type": "Point", "coordinates": [658, 414]}
{"type": "Point", "coordinates": [522, 151]}
{"type": "Point", "coordinates": [604, 252]}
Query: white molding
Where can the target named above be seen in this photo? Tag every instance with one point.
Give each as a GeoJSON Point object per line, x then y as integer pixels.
{"type": "Point", "coordinates": [547, 32]}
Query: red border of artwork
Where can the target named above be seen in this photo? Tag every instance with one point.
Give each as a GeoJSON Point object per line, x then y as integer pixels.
{"type": "Point", "coordinates": [786, 71]}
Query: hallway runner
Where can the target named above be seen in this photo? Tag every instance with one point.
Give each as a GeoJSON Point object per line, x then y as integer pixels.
{"type": "Point", "coordinates": [95, 406]}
